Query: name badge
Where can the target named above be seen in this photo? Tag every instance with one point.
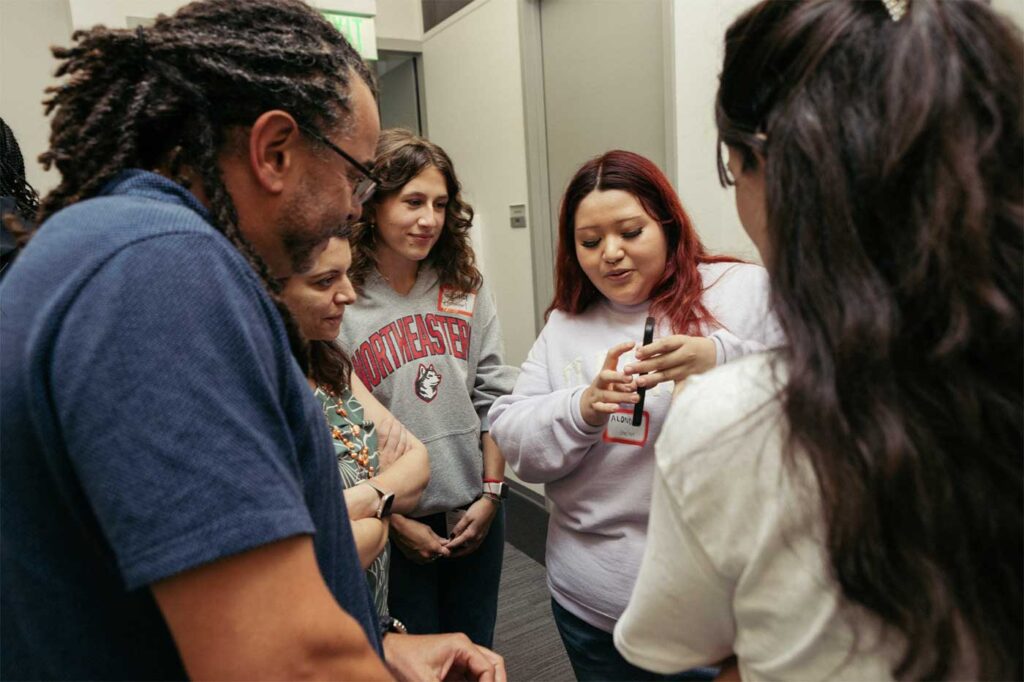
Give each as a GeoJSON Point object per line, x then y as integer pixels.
{"type": "Point", "coordinates": [458, 302]}
{"type": "Point", "coordinates": [620, 429]}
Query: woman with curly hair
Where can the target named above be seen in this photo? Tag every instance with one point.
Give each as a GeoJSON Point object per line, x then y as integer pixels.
{"type": "Point", "coordinates": [424, 338]}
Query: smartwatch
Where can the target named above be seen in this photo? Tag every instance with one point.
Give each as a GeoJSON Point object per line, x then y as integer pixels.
{"type": "Point", "coordinates": [392, 624]}
{"type": "Point", "coordinates": [499, 489]}
{"type": "Point", "coordinates": [384, 501]}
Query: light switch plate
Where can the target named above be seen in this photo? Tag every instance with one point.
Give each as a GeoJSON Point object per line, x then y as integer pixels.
{"type": "Point", "coordinates": [517, 215]}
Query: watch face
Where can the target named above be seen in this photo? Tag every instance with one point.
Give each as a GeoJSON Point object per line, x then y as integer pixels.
{"type": "Point", "coordinates": [499, 489]}
{"type": "Point", "coordinates": [385, 505]}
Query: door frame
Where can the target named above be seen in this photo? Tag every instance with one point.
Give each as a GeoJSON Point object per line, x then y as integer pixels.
{"type": "Point", "coordinates": [415, 49]}
{"type": "Point", "coordinates": [543, 234]}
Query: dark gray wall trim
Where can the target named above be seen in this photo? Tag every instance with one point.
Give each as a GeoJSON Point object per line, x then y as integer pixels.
{"type": "Point", "coordinates": [526, 521]}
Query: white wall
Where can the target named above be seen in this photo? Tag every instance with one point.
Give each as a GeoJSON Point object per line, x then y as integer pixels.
{"type": "Point", "coordinates": [27, 30]}
{"type": "Point", "coordinates": [400, 19]}
{"type": "Point", "coordinates": [473, 77]}
{"type": "Point", "coordinates": [699, 31]}
{"type": "Point", "coordinates": [114, 13]}
{"type": "Point", "coordinates": [88, 13]}
{"type": "Point", "coordinates": [1011, 8]}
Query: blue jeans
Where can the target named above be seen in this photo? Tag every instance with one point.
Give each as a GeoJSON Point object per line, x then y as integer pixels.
{"type": "Point", "coordinates": [450, 595]}
{"type": "Point", "coordinates": [594, 657]}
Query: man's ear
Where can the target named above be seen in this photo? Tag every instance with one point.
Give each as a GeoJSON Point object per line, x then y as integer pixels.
{"type": "Point", "coordinates": [273, 146]}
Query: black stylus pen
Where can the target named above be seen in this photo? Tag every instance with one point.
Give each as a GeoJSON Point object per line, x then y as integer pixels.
{"type": "Point", "coordinates": [638, 409]}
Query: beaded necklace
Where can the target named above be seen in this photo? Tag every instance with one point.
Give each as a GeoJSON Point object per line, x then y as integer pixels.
{"type": "Point", "coordinates": [358, 452]}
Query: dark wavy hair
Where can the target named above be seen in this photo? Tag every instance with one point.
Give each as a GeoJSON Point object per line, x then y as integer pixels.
{"type": "Point", "coordinates": [171, 93]}
{"type": "Point", "coordinates": [893, 158]}
{"type": "Point", "coordinates": [677, 295]}
{"type": "Point", "coordinates": [329, 366]}
{"type": "Point", "coordinates": [401, 156]}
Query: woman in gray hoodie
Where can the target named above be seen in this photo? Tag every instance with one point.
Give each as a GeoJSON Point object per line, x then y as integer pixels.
{"type": "Point", "coordinates": [424, 338]}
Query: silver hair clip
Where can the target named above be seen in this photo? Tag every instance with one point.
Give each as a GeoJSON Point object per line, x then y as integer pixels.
{"type": "Point", "coordinates": [896, 8]}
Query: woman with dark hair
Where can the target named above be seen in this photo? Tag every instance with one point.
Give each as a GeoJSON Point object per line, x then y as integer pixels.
{"type": "Point", "coordinates": [424, 337]}
{"type": "Point", "coordinates": [383, 469]}
{"type": "Point", "coordinates": [850, 506]}
{"type": "Point", "coordinates": [626, 250]}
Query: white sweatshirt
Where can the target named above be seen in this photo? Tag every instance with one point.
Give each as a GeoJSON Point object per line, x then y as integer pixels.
{"type": "Point", "coordinates": [737, 560]}
{"type": "Point", "coordinates": [599, 479]}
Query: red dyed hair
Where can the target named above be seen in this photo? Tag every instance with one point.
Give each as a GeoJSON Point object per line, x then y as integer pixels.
{"type": "Point", "coordinates": [677, 296]}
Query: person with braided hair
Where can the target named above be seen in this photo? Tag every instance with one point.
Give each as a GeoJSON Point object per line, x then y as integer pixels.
{"type": "Point", "coordinates": [18, 199]}
{"type": "Point", "coordinates": [170, 504]}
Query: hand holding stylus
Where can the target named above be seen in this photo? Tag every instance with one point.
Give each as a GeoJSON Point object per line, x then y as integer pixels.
{"type": "Point", "coordinates": [671, 358]}
{"type": "Point", "coordinates": [609, 389]}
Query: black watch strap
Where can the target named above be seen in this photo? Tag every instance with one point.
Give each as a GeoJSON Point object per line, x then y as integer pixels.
{"type": "Point", "coordinates": [392, 624]}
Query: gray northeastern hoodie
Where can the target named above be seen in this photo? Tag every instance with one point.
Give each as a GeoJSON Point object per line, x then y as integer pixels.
{"type": "Point", "coordinates": [434, 358]}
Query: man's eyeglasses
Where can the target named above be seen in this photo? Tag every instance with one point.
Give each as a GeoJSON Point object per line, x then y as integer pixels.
{"type": "Point", "coordinates": [366, 185]}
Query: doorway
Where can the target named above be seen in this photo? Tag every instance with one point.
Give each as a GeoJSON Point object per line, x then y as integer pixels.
{"type": "Point", "coordinates": [594, 76]}
{"type": "Point", "coordinates": [400, 81]}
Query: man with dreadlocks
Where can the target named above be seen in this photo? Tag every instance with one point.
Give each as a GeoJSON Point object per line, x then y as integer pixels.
{"type": "Point", "coordinates": [169, 502]}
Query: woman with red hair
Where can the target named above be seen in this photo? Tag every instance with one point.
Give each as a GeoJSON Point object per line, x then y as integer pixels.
{"type": "Point", "coordinates": [626, 250]}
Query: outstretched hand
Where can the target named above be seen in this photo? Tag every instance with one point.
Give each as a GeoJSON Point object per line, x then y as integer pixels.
{"type": "Point", "coordinates": [609, 389]}
{"type": "Point", "coordinates": [671, 358]}
{"type": "Point", "coordinates": [432, 658]}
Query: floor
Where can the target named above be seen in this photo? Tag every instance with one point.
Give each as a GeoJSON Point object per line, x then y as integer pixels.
{"type": "Point", "coordinates": [525, 633]}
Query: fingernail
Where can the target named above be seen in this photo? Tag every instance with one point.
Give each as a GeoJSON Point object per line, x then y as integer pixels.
{"type": "Point", "coordinates": [628, 369]}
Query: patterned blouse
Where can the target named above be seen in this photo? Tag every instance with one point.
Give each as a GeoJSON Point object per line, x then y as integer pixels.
{"type": "Point", "coordinates": [355, 445]}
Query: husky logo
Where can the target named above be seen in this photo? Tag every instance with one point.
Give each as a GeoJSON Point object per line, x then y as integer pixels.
{"type": "Point", "coordinates": [427, 380]}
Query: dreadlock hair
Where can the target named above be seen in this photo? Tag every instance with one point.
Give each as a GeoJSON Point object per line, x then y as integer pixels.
{"type": "Point", "coordinates": [12, 174]}
{"type": "Point", "coordinates": [19, 222]}
{"type": "Point", "coordinates": [171, 93]}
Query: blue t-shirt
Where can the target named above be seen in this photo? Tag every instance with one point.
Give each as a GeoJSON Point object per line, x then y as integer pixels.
{"type": "Point", "coordinates": [152, 420]}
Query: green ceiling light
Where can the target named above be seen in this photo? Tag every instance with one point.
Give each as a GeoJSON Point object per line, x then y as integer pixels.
{"type": "Point", "coordinates": [360, 31]}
